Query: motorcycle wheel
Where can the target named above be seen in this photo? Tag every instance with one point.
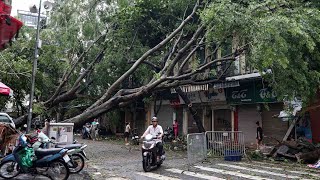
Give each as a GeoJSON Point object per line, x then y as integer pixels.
{"type": "Point", "coordinates": [165, 139]}
{"type": "Point", "coordinates": [146, 164]}
{"type": "Point", "coordinates": [9, 169]}
{"type": "Point", "coordinates": [77, 163]}
{"type": "Point", "coordinates": [58, 170]}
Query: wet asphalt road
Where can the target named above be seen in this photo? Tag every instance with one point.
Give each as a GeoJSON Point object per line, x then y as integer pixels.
{"type": "Point", "coordinates": [114, 160]}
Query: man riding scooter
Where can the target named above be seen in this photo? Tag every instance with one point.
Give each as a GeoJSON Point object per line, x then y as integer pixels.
{"type": "Point", "coordinates": [156, 131]}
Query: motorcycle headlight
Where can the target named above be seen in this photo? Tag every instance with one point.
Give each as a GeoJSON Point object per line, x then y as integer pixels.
{"type": "Point", "coordinates": [147, 145]}
{"type": "Point", "coordinates": [148, 137]}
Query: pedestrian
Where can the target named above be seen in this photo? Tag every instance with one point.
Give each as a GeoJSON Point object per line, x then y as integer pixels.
{"type": "Point", "coordinates": [175, 129]}
{"type": "Point", "coordinates": [259, 135]}
{"type": "Point", "coordinates": [127, 132]}
{"type": "Point", "coordinates": [86, 131]}
{"type": "Point", "coordinates": [94, 129]}
{"type": "Point", "coordinates": [45, 129]}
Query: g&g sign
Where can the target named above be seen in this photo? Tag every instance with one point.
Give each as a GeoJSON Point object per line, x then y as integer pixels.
{"type": "Point", "coordinates": [239, 94]}
{"type": "Point", "coordinates": [253, 92]}
{"type": "Point", "coordinates": [267, 94]}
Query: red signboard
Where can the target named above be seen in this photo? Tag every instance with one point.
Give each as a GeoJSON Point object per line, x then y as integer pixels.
{"type": "Point", "coordinates": [9, 26]}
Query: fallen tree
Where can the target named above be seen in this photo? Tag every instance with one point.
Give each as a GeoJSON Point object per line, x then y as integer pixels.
{"type": "Point", "coordinates": [266, 44]}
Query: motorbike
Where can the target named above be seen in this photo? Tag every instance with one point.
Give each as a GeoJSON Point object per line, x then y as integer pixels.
{"type": "Point", "coordinates": [168, 134]}
{"type": "Point", "coordinates": [48, 162]}
{"type": "Point", "coordinates": [134, 137]}
{"type": "Point", "coordinates": [75, 151]}
{"type": "Point", "coordinates": [150, 153]}
{"type": "Point", "coordinates": [77, 156]}
{"type": "Point", "coordinates": [86, 132]}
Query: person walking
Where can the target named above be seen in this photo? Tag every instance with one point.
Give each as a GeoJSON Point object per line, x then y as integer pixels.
{"type": "Point", "coordinates": [259, 135]}
{"type": "Point", "coordinates": [127, 132]}
{"type": "Point", "coordinates": [175, 129]}
{"type": "Point", "coordinates": [94, 129]}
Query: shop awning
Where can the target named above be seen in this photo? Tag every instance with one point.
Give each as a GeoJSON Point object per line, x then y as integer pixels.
{"type": "Point", "coordinates": [5, 90]}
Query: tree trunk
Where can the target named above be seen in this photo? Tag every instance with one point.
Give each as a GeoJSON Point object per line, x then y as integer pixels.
{"type": "Point", "coordinates": [191, 110]}
{"type": "Point", "coordinates": [20, 120]}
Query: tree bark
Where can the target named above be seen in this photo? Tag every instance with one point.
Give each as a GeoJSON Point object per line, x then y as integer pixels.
{"type": "Point", "coordinates": [191, 109]}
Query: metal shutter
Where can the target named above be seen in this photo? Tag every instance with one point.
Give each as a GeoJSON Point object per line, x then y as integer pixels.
{"type": "Point", "coordinates": [273, 127]}
{"type": "Point", "coordinates": [248, 116]}
{"type": "Point", "coordinates": [165, 116]}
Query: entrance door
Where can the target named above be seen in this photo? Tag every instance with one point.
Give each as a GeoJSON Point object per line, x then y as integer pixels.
{"type": "Point", "coordinates": [222, 120]}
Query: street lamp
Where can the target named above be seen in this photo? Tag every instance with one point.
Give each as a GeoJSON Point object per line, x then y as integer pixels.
{"type": "Point", "coordinates": [34, 9]}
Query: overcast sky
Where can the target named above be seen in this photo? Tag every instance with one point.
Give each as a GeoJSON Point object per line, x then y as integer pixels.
{"type": "Point", "coordinates": [22, 5]}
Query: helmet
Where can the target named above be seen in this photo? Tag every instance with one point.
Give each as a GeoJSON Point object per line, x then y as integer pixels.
{"type": "Point", "coordinates": [22, 140]}
{"type": "Point", "coordinates": [154, 119]}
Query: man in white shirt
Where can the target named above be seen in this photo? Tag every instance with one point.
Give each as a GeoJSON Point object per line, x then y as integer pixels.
{"type": "Point", "coordinates": [155, 130]}
{"type": "Point", "coordinates": [127, 132]}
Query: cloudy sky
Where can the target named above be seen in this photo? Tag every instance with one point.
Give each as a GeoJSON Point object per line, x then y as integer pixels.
{"type": "Point", "coordinates": [22, 5]}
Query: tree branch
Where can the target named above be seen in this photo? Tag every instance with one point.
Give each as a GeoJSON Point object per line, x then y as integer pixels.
{"type": "Point", "coordinates": [153, 66]}
{"type": "Point", "coordinates": [113, 87]}
{"type": "Point", "coordinates": [68, 73]}
{"type": "Point", "coordinates": [184, 49]}
{"type": "Point", "coordinates": [190, 55]}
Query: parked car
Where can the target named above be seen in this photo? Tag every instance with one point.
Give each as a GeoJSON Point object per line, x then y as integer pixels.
{"type": "Point", "coordinates": [6, 119]}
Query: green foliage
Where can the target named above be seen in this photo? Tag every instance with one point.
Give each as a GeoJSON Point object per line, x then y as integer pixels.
{"type": "Point", "coordinates": [282, 35]}
{"type": "Point", "coordinates": [38, 108]}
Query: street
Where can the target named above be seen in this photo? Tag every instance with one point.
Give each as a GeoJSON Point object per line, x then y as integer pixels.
{"type": "Point", "coordinates": [112, 160]}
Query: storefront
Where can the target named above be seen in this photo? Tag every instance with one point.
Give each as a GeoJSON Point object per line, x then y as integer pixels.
{"type": "Point", "coordinates": [168, 108]}
{"type": "Point", "coordinates": [205, 103]}
{"type": "Point", "coordinates": [253, 101]}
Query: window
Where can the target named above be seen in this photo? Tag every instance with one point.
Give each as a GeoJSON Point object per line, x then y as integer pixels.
{"type": "Point", "coordinates": [4, 119]}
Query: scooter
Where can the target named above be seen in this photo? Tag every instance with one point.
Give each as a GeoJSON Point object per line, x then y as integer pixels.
{"type": "Point", "coordinates": [135, 138]}
{"type": "Point", "coordinates": [77, 156]}
{"type": "Point", "coordinates": [48, 162]}
{"type": "Point", "coordinates": [150, 153]}
{"type": "Point", "coordinates": [75, 151]}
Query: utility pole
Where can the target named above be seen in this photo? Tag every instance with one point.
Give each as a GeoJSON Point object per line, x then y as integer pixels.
{"type": "Point", "coordinates": [34, 69]}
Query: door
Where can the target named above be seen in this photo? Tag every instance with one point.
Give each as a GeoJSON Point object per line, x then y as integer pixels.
{"type": "Point", "coordinates": [222, 120]}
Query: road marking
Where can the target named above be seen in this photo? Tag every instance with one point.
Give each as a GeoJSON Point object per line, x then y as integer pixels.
{"type": "Point", "coordinates": [288, 166]}
{"type": "Point", "coordinates": [281, 169]}
{"type": "Point", "coordinates": [193, 174]}
{"type": "Point", "coordinates": [232, 173]}
{"type": "Point", "coordinates": [259, 171]}
{"type": "Point", "coordinates": [156, 176]}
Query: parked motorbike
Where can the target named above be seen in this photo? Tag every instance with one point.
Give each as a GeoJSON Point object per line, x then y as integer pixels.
{"type": "Point", "coordinates": [150, 153]}
{"type": "Point", "coordinates": [48, 162]}
{"type": "Point", "coordinates": [168, 134]}
{"type": "Point", "coordinates": [134, 137]}
{"type": "Point", "coordinates": [77, 156]}
{"type": "Point", "coordinates": [75, 151]}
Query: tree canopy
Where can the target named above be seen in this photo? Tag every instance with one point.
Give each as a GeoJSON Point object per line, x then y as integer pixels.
{"type": "Point", "coordinates": [101, 54]}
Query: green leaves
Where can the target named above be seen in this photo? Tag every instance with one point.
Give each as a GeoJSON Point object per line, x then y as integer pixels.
{"type": "Point", "coordinates": [282, 35]}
